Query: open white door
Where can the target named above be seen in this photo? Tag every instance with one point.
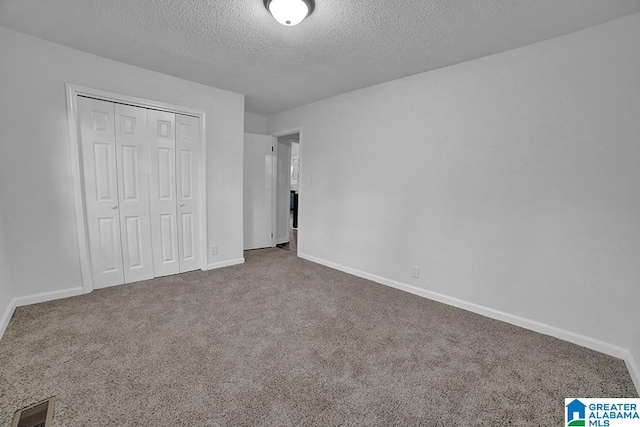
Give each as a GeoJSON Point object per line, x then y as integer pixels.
{"type": "Point", "coordinates": [259, 191]}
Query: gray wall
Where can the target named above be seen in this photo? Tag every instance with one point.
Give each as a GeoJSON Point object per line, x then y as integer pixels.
{"type": "Point", "coordinates": [35, 166]}
{"type": "Point", "coordinates": [6, 293]}
{"type": "Point", "coordinates": [255, 123]}
{"type": "Point", "coordinates": [511, 180]}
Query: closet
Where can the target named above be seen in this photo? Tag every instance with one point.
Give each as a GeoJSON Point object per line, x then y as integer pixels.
{"type": "Point", "coordinates": [140, 177]}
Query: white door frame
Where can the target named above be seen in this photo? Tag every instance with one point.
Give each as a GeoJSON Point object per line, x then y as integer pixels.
{"type": "Point", "coordinates": [277, 135]}
{"type": "Point", "coordinates": [73, 91]}
{"type": "Point", "coordinates": [274, 190]}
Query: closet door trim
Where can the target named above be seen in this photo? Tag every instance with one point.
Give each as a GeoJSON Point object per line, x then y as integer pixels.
{"type": "Point", "coordinates": [73, 91]}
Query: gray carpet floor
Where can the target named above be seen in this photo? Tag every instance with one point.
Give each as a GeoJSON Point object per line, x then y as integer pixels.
{"type": "Point", "coordinates": [282, 341]}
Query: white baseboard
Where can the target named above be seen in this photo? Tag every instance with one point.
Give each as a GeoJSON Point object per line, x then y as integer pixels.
{"type": "Point", "coordinates": [34, 299]}
{"type": "Point", "coordinates": [594, 344]}
{"type": "Point", "coordinates": [64, 293]}
{"type": "Point", "coordinates": [282, 241]}
{"type": "Point", "coordinates": [634, 370]}
{"type": "Point", "coordinates": [221, 264]}
{"type": "Point", "coordinates": [6, 316]}
{"type": "Point", "coordinates": [48, 296]}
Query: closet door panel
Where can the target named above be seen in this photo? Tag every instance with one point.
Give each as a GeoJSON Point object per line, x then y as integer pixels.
{"type": "Point", "coordinates": [97, 133]}
{"type": "Point", "coordinates": [168, 235]}
{"type": "Point", "coordinates": [135, 258]}
{"type": "Point", "coordinates": [132, 147]}
{"type": "Point", "coordinates": [109, 244]}
{"type": "Point", "coordinates": [188, 155]}
{"type": "Point", "coordinates": [163, 197]}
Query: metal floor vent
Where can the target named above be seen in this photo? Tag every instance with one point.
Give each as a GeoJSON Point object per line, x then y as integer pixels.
{"type": "Point", "coordinates": [37, 415]}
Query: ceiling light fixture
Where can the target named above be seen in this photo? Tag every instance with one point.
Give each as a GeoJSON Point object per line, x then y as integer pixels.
{"type": "Point", "coordinates": [289, 12]}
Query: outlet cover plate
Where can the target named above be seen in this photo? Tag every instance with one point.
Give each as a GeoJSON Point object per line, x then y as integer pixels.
{"type": "Point", "coordinates": [415, 272]}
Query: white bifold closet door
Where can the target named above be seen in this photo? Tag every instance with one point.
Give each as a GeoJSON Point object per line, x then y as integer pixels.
{"type": "Point", "coordinates": [114, 151]}
{"type": "Point", "coordinates": [175, 144]}
{"type": "Point", "coordinates": [188, 188]}
{"type": "Point", "coordinates": [140, 170]}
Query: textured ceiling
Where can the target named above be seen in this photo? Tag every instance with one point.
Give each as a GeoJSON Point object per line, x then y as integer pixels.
{"type": "Point", "coordinates": [344, 45]}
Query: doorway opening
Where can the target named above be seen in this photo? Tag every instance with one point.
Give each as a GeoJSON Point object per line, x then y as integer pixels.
{"type": "Point", "coordinates": [288, 200]}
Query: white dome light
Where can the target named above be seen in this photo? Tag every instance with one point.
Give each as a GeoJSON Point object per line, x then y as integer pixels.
{"type": "Point", "coordinates": [289, 12]}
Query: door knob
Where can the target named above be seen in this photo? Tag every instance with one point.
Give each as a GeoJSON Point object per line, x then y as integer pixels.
{"type": "Point", "coordinates": [114, 207]}
{"type": "Point", "coordinates": [181, 204]}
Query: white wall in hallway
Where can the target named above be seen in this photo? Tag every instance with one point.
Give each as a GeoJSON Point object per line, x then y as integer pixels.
{"type": "Point", "coordinates": [255, 123]}
{"type": "Point", "coordinates": [511, 180]}
{"type": "Point", "coordinates": [35, 169]}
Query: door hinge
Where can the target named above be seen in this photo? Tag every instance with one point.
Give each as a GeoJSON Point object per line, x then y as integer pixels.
{"type": "Point", "coordinates": [271, 148]}
{"type": "Point", "coordinates": [271, 234]}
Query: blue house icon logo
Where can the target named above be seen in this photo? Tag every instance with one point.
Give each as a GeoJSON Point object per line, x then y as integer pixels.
{"type": "Point", "coordinates": [576, 413]}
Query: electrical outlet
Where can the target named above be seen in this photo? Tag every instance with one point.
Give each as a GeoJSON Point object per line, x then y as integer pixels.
{"type": "Point", "coordinates": [213, 250]}
{"type": "Point", "coordinates": [415, 272]}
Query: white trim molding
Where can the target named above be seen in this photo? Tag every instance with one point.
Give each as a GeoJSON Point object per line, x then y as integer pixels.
{"type": "Point", "coordinates": [73, 91]}
{"type": "Point", "coordinates": [48, 296]}
{"type": "Point", "coordinates": [274, 191]}
{"type": "Point", "coordinates": [70, 292]}
{"type": "Point", "coordinates": [286, 132]}
{"type": "Point", "coordinates": [634, 369]}
{"type": "Point", "coordinates": [582, 340]}
{"type": "Point", "coordinates": [34, 299]}
{"type": "Point", "coordinates": [228, 263]}
{"type": "Point", "coordinates": [6, 316]}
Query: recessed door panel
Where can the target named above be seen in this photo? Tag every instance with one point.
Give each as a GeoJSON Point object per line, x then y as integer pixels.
{"type": "Point", "coordinates": [128, 124]}
{"type": "Point", "coordinates": [102, 122]}
{"type": "Point", "coordinates": [165, 128]}
{"type": "Point", "coordinates": [134, 242]}
{"type": "Point", "coordinates": [188, 147]}
{"type": "Point", "coordinates": [97, 134]}
{"type": "Point", "coordinates": [168, 237]}
{"type": "Point", "coordinates": [186, 174]}
{"type": "Point", "coordinates": [109, 240]}
{"type": "Point", "coordinates": [166, 174]}
{"type": "Point", "coordinates": [186, 133]}
{"type": "Point", "coordinates": [103, 163]}
{"type": "Point", "coordinates": [188, 250]}
{"type": "Point", "coordinates": [130, 173]}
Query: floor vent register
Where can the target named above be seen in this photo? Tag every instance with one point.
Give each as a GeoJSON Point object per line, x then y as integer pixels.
{"type": "Point", "coordinates": [37, 415]}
